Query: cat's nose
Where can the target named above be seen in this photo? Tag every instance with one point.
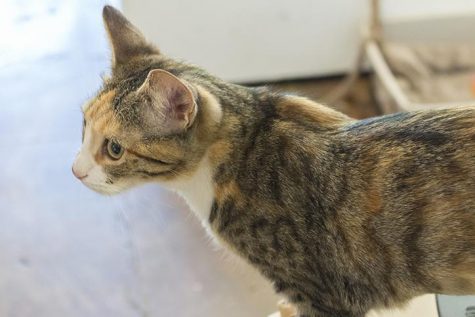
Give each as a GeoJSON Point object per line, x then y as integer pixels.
{"type": "Point", "coordinates": [78, 176]}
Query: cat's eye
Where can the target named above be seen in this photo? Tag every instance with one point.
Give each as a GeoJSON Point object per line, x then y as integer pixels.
{"type": "Point", "coordinates": [114, 149]}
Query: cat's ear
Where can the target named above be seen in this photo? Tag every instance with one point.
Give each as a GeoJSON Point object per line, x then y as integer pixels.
{"type": "Point", "coordinates": [125, 39]}
{"type": "Point", "coordinates": [172, 100]}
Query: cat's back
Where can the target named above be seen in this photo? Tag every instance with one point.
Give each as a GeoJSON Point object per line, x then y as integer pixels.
{"type": "Point", "coordinates": [426, 143]}
{"type": "Point", "coordinates": [412, 178]}
{"type": "Point", "coordinates": [434, 127]}
{"type": "Point", "coordinates": [427, 151]}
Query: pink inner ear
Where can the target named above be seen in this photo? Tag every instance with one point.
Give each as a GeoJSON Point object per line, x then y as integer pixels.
{"type": "Point", "coordinates": [181, 111]}
{"type": "Point", "coordinates": [177, 98]}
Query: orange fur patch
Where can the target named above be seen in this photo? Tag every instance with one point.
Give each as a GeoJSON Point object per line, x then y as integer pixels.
{"type": "Point", "coordinates": [98, 105]}
{"type": "Point", "coordinates": [374, 201]}
{"type": "Point", "coordinates": [305, 109]}
{"type": "Point", "coordinates": [218, 151]}
{"type": "Point", "coordinates": [230, 189]}
{"type": "Point", "coordinates": [101, 115]}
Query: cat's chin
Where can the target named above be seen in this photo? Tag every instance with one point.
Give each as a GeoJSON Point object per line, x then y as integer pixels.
{"type": "Point", "coordinates": [106, 190]}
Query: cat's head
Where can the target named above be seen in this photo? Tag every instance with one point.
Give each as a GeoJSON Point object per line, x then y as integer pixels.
{"type": "Point", "coordinates": [146, 123]}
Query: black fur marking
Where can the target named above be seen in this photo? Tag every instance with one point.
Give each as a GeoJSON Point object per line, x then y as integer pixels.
{"type": "Point", "coordinates": [258, 225]}
{"type": "Point", "coordinates": [152, 174]}
{"type": "Point", "coordinates": [296, 298]}
{"type": "Point", "coordinates": [227, 214]}
{"type": "Point", "coordinates": [365, 123]}
{"type": "Point", "coordinates": [432, 138]}
{"type": "Point", "coordinates": [280, 286]}
{"type": "Point", "coordinates": [214, 212]}
{"type": "Point", "coordinates": [220, 174]}
{"type": "Point", "coordinates": [150, 159]}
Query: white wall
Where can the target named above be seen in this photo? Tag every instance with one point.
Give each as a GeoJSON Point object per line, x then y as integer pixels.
{"type": "Point", "coordinates": [252, 40]}
{"type": "Point", "coordinates": [395, 9]}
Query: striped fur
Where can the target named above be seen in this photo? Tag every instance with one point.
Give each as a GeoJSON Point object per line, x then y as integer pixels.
{"type": "Point", "coordinates": [341, 215]}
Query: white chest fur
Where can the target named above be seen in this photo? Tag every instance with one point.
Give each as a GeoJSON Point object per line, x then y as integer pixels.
{"type": "Point", "coordinates": [198, 191]}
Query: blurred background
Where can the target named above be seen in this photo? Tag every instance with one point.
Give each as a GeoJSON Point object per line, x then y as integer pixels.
{"type": "Point", "coordinates": [66, 251]}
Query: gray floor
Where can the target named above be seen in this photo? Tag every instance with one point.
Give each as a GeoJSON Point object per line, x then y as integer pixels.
{"type": "Point", "coordinates": [64, 250]}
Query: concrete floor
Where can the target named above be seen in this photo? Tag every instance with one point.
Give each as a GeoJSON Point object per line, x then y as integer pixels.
{"type": "Point", "coordinates": [64, 250]}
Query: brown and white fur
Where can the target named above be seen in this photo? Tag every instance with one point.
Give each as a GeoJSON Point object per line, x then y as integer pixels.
{"type": "Point", "coordinates": [341, 215]}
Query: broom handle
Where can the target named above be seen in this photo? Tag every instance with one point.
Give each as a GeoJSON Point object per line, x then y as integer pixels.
{"type": "Point", "coordinates": [375, 21]}
{"type": "Point", "coordinates": [374, 34]}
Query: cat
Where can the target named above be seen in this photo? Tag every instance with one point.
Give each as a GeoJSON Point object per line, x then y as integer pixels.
{"type": "Point", "coordinates": [341, 215]}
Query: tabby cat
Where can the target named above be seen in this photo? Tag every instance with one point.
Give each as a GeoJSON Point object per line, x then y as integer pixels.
{"type": "Point", "coordinates": [343, 216]}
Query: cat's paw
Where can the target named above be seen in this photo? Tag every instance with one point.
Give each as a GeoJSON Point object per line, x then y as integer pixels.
{"type": "Point", "coordinates": [286, 309]}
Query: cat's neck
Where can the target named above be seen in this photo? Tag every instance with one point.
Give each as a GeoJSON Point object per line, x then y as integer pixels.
{"type": "Point", "coordinates": [197, 190]}
{"type": "Point", "coordinates": [228, 130]}
{"type": "Point", "coordinates": [197, 187]}
{"type": "Point", "coordinates": [215, 129]}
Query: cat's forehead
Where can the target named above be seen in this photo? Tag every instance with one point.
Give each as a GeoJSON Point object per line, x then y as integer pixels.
{"type": "Point", "coordinates": [99, 112]}
{"type": "Point", "coordinates": [99, 105]}
{"type": "Point", "coordinates": [114, 89]}
{"type": "Point", "coordinates": [126, 78]}
{"type": "Point", "coordinates": [114, 113]}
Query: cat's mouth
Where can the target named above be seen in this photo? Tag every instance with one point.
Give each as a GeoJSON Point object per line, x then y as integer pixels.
{"type": "Point", "coordinates": [101, 188]}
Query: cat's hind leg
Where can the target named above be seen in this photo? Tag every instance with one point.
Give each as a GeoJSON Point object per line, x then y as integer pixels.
{"type": "Point", "coordinates": [460, 280]}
